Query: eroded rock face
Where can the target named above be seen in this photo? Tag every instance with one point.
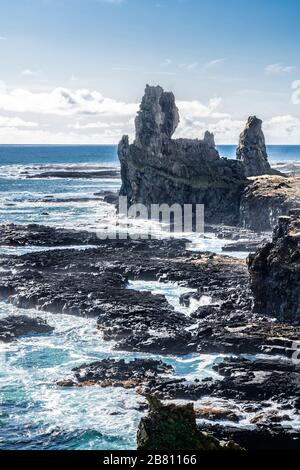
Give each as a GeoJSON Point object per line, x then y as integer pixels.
{"type": "Point", "coordinates": [275, 271]}
{"type": "Point", "coordinates": [173, 427]}
{"type": "Point", "coordinates": [157, 169]}
{"type": "Point", "coordinates": [13, 326]}
{"type": "Point", "coordinates": [252, 149]}
{"type": "Point", "coordinates": [266, 198]}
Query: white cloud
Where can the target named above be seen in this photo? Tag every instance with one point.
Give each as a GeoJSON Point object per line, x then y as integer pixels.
{"type": "Point", "coordinates": [226, 130]}
{"type": "Point", "coordinates": [97, 125]}
{"type": "Point", "coordinates": [64, 102]}
{"type": "Point", "coordinates": [70, 119]}
{"type": "Point", "coordinates": [278, 69]}
{"type": "Point", "coordinates": [195, 109]}
{"type": "Point", "coordinates": [39, 136]}
{"type": "Point", "coordinates": [282, 129]}
{"type": "Point", "coordinates": [28, 73]}
{"type": "Point", "coordinates": [214, 63]}
{"type": "Point", "coordinates": [6, 121]}
{"type": "Point", "coordinates": [3, 38]}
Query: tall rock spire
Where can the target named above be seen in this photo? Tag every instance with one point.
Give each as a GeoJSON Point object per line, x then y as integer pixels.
{"type": "Point", "coordinates": [252, 149]}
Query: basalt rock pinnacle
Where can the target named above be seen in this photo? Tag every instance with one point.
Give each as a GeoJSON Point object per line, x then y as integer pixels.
{"type": "Point", "coordinates": [157, 169]}
{"type": "Point", "coordinates": [252, 149]}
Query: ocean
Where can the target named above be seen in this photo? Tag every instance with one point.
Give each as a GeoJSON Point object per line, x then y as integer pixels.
{"type": "Point", "coordinates": [34, 412]}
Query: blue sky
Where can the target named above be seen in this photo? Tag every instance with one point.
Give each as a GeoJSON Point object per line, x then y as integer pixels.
{"type": "Point", "coordinates": [73, 71]}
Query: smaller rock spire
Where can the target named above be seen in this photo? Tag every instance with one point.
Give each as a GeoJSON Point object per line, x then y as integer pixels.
{"type": "Point", "coordinates": [209, 139]}
{"type": "Point", "coordinates": [252, 149]}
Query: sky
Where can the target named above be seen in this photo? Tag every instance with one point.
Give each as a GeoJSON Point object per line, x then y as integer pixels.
{"type": "Point", "coordinates": [74, 71]}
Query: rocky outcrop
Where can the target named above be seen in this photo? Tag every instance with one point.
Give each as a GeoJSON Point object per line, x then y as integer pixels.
{"type": "Point", "coordinates": [41, 235]}
{"type": "Point", "coordinates": [266, 198]}
{"type": "Point", "coordinates": [252, 149]}
{"type": "Point", "coordinates": [19, 325]}
{"type": "Point", "coordinates": [173, 427]}
{"type": "Point", "coordinates": [94, 283]}
{"type": "Point", "coordinates": [157, 169]}
{"type": "Point", "coordinates": [275, 271]}
{"type": "Point", "coordinates": [112, 373]}
{"type": "Point", "coordinates": [102, 174]}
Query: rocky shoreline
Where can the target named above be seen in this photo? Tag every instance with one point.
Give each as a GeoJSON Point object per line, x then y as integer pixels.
{"type": "Point", "coordinates": [94, 283]}
{"type": "Point", "coordinates": [245, 313]}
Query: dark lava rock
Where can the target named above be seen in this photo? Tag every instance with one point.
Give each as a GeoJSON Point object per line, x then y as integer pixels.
{"type": "Point", "coordinates": [275, 271]}
{"type": "Point", "coordinates": [41, 235]}
{"type": "Point", "coordinates": [252, 149]}
{"type": "Point", "coordinates": [94, 282]}
{"type": "Point", "coordinates": [259, 439]}
{"type": "Point", "coordinates": [157, 169]}
{"type": "Point", "coordinates": [266, 198]}
{"type": "Point", "coordinates": [240, 379]}
{"type": "Point", "coordinates": [258, 380]}
{"type": "Point", "coordinates": [173, 427]}
{"type": "Point", "coordinates": [78, 174]}
{"type": "Point", "coordinates": [245, 245]}
{"type": "Point", "coordinates": [110, 372]}
{"type": "Point", "coordinates": [14, 326]}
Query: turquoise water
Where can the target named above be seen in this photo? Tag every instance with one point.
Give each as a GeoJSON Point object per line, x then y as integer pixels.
{"type": "Point", "coordinates": [47, 154]}
{"type": "Point", "coordinates": [34, 412]}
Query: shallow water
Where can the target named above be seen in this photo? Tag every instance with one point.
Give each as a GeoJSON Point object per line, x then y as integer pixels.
{"type": "Point", "coordinates": [37, 414]}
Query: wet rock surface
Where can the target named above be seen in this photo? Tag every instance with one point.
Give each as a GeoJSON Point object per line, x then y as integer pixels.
{"type": "Point", "coordinates": [13, 326]}
{"type": "Point", "coordinates": [113, 373]}
{"type": "Point", "coordinates": [239, 379]}
{"type": "Point", "coordinates": [41, 235]}
{"type": "Point", "coordinates": [94, 283]}
{"type": "Point", "coordinates": [173, 427]}
{"type": "Point", "coordinates": [275, 271]}
{"type": "Point", "coordinates": [261, 439]}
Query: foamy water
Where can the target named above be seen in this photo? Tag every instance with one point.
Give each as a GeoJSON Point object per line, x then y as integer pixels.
{"type": "Point", "coordinates": [35, 413]}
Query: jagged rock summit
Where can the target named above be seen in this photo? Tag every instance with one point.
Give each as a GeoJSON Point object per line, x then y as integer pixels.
{"type": "Point", "coordinates": [157, 169]}
{"type": "Point", "coordinates": [252, 149]}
